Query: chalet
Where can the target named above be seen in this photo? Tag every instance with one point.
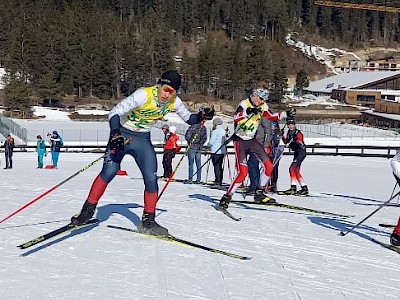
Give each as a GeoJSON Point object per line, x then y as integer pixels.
{"type": "Point", "coordinates": [378, 90]}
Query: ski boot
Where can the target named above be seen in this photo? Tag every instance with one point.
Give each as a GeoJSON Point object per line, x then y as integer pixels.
{"type": "Point", "coordinates": [261, 197]}
{"type": "Point", "coordinates": [291, 191]}
{"type": "Point", "coordinates": [85, 215]}
{"type": "Point", "coordinates": [395, 239]}
{"type": "Point", "coordinates": [225, 200]}
{"type": "Point", "coordinates": [304, 191]}
{"type": "Point", "coordinates": [150, 226]}
{"type": "Point", "coordinates": [272, 188]}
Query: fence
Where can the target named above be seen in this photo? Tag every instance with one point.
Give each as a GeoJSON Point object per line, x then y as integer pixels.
{"type": "Point", "coordinates": [323, 150]}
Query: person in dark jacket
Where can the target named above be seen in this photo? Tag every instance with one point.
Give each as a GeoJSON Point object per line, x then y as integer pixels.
{"type": "Point", "coordinates": [56, 142]}
{"type": "Point", "coordinates": [9, 149]}
{"type": "Point", "coordinates": [196, 136]}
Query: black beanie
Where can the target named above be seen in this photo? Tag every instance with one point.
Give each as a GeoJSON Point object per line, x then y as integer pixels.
{"type": "Point", "coordinates": [172, 78]}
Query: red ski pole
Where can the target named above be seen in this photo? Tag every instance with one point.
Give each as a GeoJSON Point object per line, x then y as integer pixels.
{"type": "Point", "coordinates": [50, 190]}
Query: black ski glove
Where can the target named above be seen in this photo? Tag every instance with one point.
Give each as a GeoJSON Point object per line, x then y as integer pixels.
{"type": "Point", "coordinates": [291, 113]}
{"type": "Point", "coordinates": [253, 110]}
{"type": "Point", "coordinates": [117, 141]}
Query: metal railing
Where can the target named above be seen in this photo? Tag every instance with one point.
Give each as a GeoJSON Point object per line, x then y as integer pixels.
{"type": "Point", "coordinates": [323, 150]}
{"type": "Point", "coordinates": [8, 126]}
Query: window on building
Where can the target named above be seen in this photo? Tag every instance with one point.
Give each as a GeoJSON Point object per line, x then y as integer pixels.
{"type": "Point", "coordinates": [365, 98]}
{"type": "Point", "coordinates": [389, 98]}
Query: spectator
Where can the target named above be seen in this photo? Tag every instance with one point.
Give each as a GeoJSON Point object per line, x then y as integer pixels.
{"type": "Point", "coordinates": [56, 142]}
{"type": "Point", "coordinates": [41, 151]}
{"type": "Point", "coordinates": [217, 142]}
{"type": "Point", "coordinates": [194, 153]}
{"type": "Point", "coordinates": [170, 149]}
{"type": "Point", "coordinates": [165, 130]}
{"type": "Point", "coordinates": [9, 149]}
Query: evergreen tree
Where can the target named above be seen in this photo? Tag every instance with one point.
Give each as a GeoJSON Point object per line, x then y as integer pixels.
{"type": "Point", "coordinates": [17, 94]}
{"type": "Point", "coordinates": [301, 81]}
{"type": "Point", "coordinates": [279, 82]}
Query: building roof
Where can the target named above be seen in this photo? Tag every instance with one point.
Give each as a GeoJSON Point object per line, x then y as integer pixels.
{"type": "Point", "coordinates": [348, 80]}
{"type": "Point", "coordinates": [394, 117]}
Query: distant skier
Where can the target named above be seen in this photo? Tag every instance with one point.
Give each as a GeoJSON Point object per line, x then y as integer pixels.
{"type": "Point", "coordinates": [246, 119]}
{"type": "Point", "coordinates": [395, 164]}
{"type": "Point", "coordinates": [131, 120]}
{"type": "Point", "coordinates": [295, 139]}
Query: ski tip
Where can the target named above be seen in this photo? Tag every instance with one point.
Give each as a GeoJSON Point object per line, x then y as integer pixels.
{"type": "Point", "coordinates": [342, 233]}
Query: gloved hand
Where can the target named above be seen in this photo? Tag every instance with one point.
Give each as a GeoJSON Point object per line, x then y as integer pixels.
{"type": "Point", "coordinates": [291, 113]}
{"type": "Point", "coordinates": [117, 141]}
{"type": "Point", "coordinates": [206, 150]}
{"type": "Point", "coordinates": [253, 110]}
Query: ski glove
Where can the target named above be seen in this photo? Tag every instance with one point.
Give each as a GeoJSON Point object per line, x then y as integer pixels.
{"type": "Point", "coordinates": [291, 113]}
{"type": "Point", "coordinates": [253, 110]}
{"type": "Point", "coordinates": [117, 141]}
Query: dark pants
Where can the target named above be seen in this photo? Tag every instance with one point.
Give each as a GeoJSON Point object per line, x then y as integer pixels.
{"type": "Point", "coordinates": [217, 161]}
{"type": "Point", "coordinates": [9, 159]}
{"type": "Point", "coordinates": [254, 172]}
{"type": "Point", "coordinates": [277, 154]}
{"type": "Point", "coordinates": [167, 162]}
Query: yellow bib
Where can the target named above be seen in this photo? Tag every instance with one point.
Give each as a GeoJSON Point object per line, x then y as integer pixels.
{"type": "Point", "coordinates": [248, 127]}
{"type": "Point", "coordinates": [141, 118]}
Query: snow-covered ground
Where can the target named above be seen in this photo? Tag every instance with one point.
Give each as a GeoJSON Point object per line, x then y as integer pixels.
{"type": "Point", "coordinates": [321, 54]}
{"type": "Point", "coordinates": [296, 255]}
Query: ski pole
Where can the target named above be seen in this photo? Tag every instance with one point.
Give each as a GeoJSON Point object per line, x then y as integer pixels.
{"type": "Point", "coordinates": [52, 189]}
{"type": "Point", "coordinates": [225, 143]}
{"type": "Point", "coordinates": [371, 214]}
{"type": "Point", "coordinates": [208, 168]}
{"type": "Point", "coordinates": [229, 167]}
{"type": "Point", "coordinates": [180, 161]}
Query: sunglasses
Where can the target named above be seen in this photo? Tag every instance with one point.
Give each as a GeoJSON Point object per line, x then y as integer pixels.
{"type": "Point", "coordinates": [168, 89]}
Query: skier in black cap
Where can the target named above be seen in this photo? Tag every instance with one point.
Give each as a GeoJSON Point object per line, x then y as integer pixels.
{"type": "Point", "coordinates": [130, 122]}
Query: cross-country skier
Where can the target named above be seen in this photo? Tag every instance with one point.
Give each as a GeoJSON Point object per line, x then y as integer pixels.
{"type": "Point", "coordinates": [395, 164]}
{"type": "Point", "coordinates": [263, 136]}
{"type": "Point", "coordinates": [295, 139]}
{"type": "Point", "coordinates": [246, 119]}
{"type": "Point", "coordinates": [130, 120]}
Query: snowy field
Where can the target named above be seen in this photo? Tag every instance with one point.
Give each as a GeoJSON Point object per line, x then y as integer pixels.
{"type": "Point", "coordinates": [296, 255]}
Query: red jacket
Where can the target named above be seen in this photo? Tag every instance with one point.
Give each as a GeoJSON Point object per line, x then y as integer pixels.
{"type": "Point", "coordinates": [172, 142]}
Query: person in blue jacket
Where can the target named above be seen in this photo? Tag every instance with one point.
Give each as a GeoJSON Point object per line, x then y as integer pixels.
{"type": "Point", "coordinates": [217, 139]}
{"type": "Point", "coordinates": [41, 151]}
{"type": "Point", "coordinates": [56, 142]}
